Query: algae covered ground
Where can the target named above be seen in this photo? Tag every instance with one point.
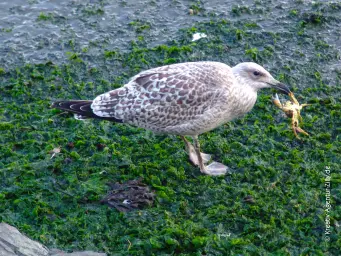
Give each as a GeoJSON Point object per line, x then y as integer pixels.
{"type": "Point", "coordinates": [273, 202]}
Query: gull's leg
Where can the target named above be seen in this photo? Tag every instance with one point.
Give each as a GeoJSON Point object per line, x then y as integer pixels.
{"type": "Point", "coordinates": [197, 150]}
{"type": "Point", "coordinates": [193, 155]}
{"type": "Point", "coordinates": [213, 168]}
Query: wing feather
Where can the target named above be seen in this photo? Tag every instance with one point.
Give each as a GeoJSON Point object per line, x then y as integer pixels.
{"type": "Point", "coordinates": [164, 96]}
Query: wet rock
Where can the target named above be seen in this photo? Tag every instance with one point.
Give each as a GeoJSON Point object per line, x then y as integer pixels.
{"type": "Point", "coordinates": [55, 252]}
{"type": "Point", "coordinates": [13, 243]}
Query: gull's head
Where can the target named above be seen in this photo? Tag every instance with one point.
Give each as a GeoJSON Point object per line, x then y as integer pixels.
{"type": "Point", "coordinates": [255, 76]}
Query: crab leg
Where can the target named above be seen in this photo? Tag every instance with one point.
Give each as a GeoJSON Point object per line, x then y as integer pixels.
{"type": "Point", "coordinates": [293, 99]}
{"type": "Point", "coordinates": [277, 102]}
{"type": "Point", "coordinates": [298, 129]}
{"type": "Point", "coordinates": [294, 126]}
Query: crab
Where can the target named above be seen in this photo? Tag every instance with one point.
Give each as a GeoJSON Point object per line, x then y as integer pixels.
{"type": "Point", "coordinates": [292, 109]}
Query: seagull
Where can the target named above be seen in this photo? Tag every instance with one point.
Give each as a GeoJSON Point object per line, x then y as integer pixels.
{"type": "Point", "coordinates": [185, 99]}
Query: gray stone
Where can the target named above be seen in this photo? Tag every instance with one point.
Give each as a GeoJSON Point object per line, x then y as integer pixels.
{"type": "Point", "coordinates": [13, 243]}
{"type": "Point", "coordinates": [84, 253]}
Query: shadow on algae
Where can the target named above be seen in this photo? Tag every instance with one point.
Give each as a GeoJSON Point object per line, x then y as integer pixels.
{"type": "Point", "coordinates": [273, 202]}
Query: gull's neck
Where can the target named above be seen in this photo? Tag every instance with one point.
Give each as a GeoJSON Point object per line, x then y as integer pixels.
{"type": "Point", "coordinates": [243, 83]}
{"type": "Point", "coordinates": [244, 92]}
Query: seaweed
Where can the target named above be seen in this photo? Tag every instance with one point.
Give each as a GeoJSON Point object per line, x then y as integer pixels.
{"type": "Point", "coordinates": [273, 202]}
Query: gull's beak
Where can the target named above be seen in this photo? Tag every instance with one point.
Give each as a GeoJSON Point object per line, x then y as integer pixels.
{"type": "Point", "coordinates": [280, 87]}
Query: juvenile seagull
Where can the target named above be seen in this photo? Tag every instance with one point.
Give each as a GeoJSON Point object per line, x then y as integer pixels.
{"type": "Point", "coordinates": [185, 99]}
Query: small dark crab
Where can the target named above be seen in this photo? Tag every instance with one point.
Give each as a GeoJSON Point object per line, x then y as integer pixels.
{"type": "Point", "coordinates": [129, 196]}
{"type": "Point", "coordinates": [292, 109]}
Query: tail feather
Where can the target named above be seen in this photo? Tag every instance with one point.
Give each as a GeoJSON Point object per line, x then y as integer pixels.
{"type": "Point", "coordinates": [81, 108]}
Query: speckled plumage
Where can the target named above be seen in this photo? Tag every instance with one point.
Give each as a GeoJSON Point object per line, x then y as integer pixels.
{"type": "Point", "coordinates": [184, 99]}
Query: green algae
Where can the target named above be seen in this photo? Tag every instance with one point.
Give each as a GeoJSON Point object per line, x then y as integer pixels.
{"type": "Point", "coordinates": [56, 200]}
{"type": "Point", "coordinates": [44, 17]}
{"type": "Point", "coordinates": [139, 26]}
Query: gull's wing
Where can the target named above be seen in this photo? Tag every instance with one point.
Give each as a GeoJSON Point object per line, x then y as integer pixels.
{"type": "Point", "coordinates": [165, 96]}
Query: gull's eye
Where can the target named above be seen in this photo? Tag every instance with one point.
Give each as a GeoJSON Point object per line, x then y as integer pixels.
{"type": "Point", "coordinates": [256, 73]}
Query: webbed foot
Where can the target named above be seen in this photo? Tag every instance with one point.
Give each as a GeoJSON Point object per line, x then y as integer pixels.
{"type": "Point", "coordinates": [215, 169]}
{"type": "Point", "coordinates": [200, 159]}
